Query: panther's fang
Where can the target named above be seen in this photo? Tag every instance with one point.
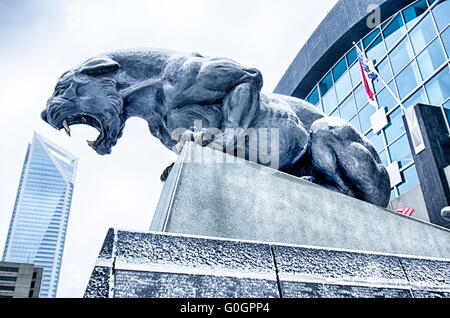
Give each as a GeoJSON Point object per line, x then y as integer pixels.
{"type": "Point", "coordinates": [66, 126]}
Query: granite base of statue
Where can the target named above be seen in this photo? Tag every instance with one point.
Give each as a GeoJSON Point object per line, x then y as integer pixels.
{"type": "Point", "coordinates": [226, 227]}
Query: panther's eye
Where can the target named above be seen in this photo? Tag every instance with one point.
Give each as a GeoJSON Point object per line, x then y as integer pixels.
{"type": "Point", "coordinates": [60, 91]}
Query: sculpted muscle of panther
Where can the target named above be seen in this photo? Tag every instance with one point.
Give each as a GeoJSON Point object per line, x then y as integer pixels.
{"type": "Point", "coordinates": [174, 92]}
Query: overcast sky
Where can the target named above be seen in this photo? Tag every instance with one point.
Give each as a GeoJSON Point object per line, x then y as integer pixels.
{"type": "Point", "coordinates": [40, 39]}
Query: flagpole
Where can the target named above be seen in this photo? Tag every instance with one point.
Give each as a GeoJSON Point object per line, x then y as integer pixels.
{"type": "Point", "coordinates": [384, 83]}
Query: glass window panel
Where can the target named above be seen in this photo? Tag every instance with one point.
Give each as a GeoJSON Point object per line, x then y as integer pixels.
{"type": "Point", "coordinates": [339, 69]}
{"type": "Point", "coordinates": [416, 98]}
{"type": "Point", "coordinates": [394, 31]}
{"type": "Point", "coordinates": [335, 113]}
{"type": "Point", "coordinates": [400, 151]}
{"type": "Point", "coordinates": [376, 140]}
{"type": "Point", "coordinates": [410, 180]}
{"type": "Point", "coordinates": [393, 195]}
{"type": "Point", "coordinates": [351, 56]}
{"type": "Point", "coordinates": [326, 84]}
{"type": "Point", "coordinates": [355, 73]}
{"type": "Point", "coordinates": [329, 101]}
{"type": "Point", "coordinates": [383, 158]}
{"type": "Point", "coordinates": [364, 117]}
{"type": "Point", "coordinates": [442, 14]}
{"type": "Point", "coordinates": [385, 73]}
{"type": "Point", "coordinates": [431, 58]}
{"type": "Point", "coordinates": [395, 126]}
{"type": "Point", "coordinates": [355, 122]}
{"type": "Point", "coordinates": [422, 34]}
{"type": "Point", "coordinates": [413, 12]}
{"type": "Point", "coordinates": [446, 40]}
{"type": "Point", "coordinates": [313, 98]}
{"type": "Point", "coordinates": [343, 87]}
{"type": "Point", "coordinates": [446, 107]}
{"type": "Point", "coordinates": [369, 38]}
{"type": "Point", "coordinates": [401, 55]}
{"type": "Point", "coordinates": [319, 105]}
{"type": "Point", "coordinates": [376, 50]}
{"type": "Point", "coordinates": [348, 108]}
{"type": "Point", "coordinates": [360, 96]}
{"type": "Point", "coordinates": [385, 98]}
{"type": "Point", "coordinates": [408, 79]}
{"type": "Point", "coordinates": [383, 25]}
{"type": "Point", "coordinates": [438, 88]}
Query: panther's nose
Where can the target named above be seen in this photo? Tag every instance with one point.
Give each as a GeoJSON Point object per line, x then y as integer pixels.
{"type": "Point", "coordinates": [44, 115]}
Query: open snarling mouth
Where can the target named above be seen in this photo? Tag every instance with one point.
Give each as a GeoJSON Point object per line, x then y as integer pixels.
{"type": "Point", "coordinates": [83, 119]}
{"type": "Point", "coordinates": [102, 144]}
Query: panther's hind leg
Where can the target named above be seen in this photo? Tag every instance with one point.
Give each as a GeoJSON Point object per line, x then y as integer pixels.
{"type": "Point", "coordinates": [348, 161]}
{"type": "Point", "coordinates": [239, 106]}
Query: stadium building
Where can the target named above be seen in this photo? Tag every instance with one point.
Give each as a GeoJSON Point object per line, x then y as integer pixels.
{"type": "Point", "coordinates": [408, 43]}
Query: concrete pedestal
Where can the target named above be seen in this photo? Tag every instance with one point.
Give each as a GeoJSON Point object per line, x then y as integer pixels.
{"type": "Point", "coordinates": [210, 193]}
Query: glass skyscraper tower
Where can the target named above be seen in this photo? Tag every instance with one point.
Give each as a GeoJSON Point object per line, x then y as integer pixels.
{"type": "Point", "coordinates": [39, 220]}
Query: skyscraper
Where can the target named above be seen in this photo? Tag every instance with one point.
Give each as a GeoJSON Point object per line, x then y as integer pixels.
{"type": "Point", "coordinates": [41, 211]}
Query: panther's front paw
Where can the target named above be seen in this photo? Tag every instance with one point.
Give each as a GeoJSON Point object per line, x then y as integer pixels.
{"type": "Point", "coordinates": [309, 179]}
{"type": "Point", "coordinates": [202, 138]}
{"type": "Point", "coordinates": [188, 135]}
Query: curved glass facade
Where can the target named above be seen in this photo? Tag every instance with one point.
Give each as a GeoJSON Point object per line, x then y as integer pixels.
{"type": "Point", "coordinates": [39, 221]}
{"type": "Point", "coordinates": [411, 52]}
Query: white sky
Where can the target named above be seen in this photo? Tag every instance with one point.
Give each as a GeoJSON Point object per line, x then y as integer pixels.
{"type": "Point", "coordinates": [41, 39]}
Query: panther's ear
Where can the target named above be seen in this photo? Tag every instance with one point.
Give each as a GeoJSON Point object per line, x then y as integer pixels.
{"type": "Point", "coordinates": [99, 65]}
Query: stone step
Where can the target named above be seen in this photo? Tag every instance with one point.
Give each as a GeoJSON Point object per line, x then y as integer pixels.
{"type": "Point", "coordinates": [161, 265]}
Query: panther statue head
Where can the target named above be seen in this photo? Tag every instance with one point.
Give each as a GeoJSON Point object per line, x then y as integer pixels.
{"type": "Point", "coordinates": [87, 94]}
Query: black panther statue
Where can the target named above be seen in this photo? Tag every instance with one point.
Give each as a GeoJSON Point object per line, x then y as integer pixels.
{"type": "Point", "coordinates": [176, 93]}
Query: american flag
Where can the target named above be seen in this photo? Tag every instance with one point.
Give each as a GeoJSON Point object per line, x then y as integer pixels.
{"type": "Point", "coordinates": [405, 211]}
{"type": "Point", "coordinates": [368, 74]}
